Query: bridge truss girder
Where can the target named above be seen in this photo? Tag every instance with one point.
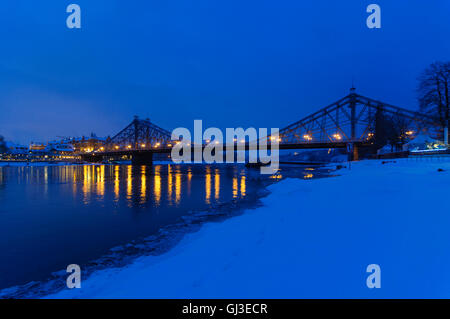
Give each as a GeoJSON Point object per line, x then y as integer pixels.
{"type": "Point", "coordinates": [354, 119]}
{"type": "Point", "coordinates": [139, 134]}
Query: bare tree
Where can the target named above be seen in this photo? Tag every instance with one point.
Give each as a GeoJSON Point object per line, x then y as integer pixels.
{"type": "Point", "coordinates": [434, 95]}
{"type": "Point", "coordinates": [389, 130]}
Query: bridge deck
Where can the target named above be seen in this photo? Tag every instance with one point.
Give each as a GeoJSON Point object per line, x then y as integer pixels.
{"type": "Point", "coordinates": [282, 146]}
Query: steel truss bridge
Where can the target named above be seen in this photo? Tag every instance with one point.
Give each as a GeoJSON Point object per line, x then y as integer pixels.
{"type": "Point", "coordinates": [354, 122]}
{"type": "Point", "coordinates": [138, 135]}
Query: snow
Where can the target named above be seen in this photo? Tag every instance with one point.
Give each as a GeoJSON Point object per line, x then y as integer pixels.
{"type": "Point", "coordinates": [311, 239]}
{"type": "Point", "coordinates": [422, 142]}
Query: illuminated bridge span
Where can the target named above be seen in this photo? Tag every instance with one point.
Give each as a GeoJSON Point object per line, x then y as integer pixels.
{"type": "Point", "coordinates": [359, 121]}
{"type": "Point", "coordinates": [354, 122]}
{"type": "Point", "coordinates": [139, 135]}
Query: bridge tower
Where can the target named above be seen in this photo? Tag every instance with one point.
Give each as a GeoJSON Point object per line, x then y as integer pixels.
{"type": "Point", "coordinates": [353, 112]}
{"type": "Point", "coordinates": [354, 156]}
{"type": "Point", "coordinates": [137, 141]}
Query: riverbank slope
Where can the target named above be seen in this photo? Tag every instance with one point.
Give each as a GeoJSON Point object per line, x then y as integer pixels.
{"type": "Point", "coordinates": [312, 239]}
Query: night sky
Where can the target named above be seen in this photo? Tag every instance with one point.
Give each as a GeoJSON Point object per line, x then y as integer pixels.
{"type": "Point", "coordinates": [233, 63]}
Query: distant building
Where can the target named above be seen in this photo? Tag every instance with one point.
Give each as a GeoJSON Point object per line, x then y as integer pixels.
{"type": "Point", "coordinates": [64, 149]}
{"type": "Point", "coordinates": [423, 142]}
{"type": "Point", "coordinates": [13, 148]}
{"type": "Point", "coordinates": [60, 147]}
{"type": "Point", "coordinates": [37, 148]}
{"type": "Point", "coordinates": [86, 144]}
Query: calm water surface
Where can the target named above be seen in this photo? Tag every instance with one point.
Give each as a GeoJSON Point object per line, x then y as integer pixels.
{"type": "Point", "coordinates": [53, 216]}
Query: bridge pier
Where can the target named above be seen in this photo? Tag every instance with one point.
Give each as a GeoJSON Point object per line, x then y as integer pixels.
{"type": "Point", "coordinates": [142, 158]}
{"type": "Point", "coordinates": [353, 153]}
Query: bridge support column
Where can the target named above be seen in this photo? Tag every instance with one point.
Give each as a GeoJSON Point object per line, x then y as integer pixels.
{"type": "Point", "coordinates": [446, 136]}
{"type": "Point", "coordinates": [355, 153]}
{"type": "Point", "coordinates": [142, 158]}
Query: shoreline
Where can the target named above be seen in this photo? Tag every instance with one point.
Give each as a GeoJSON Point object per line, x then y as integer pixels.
{"type": "Point", "coordinates": [298, 246]}
{"type": "Point", "coordinates": [153, 245]}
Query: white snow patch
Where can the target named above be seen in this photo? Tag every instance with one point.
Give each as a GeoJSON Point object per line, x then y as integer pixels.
{"type": "Point", "coordinates": [312, 239]}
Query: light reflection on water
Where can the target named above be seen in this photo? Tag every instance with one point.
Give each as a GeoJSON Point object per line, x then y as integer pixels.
{"type": "Point", "coordinates": [138, 180]}
{"type": "Point", "coordinates": [58, 215]}
{"type": "Point", "coordinates": [53, 216]}
{"type": "Point", "coordinates": [157, 185]}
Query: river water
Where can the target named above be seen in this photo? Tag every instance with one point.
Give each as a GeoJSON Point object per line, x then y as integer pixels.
{"type": "Point", "coordinates": [53, 216]}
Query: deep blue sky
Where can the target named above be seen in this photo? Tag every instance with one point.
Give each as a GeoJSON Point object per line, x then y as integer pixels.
{"type": "Point", "coordinates": [231, 63]}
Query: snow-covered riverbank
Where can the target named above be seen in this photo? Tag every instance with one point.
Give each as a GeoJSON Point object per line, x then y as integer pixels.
{"type": "Point", "coordinates": [312, 239]}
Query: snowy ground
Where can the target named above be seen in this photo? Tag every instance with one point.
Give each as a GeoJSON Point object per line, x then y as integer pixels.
{"type": "Point", "coordinates": [312, 239]}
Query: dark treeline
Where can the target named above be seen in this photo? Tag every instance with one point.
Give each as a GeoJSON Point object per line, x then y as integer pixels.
{"type": "Point", "coordinates": [433, 91]}
{"type": "Point", "coordinates": [434, 100]}
{"type": "Point", "coordinates": [2, 145]}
